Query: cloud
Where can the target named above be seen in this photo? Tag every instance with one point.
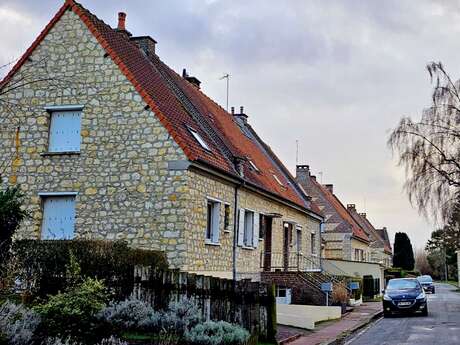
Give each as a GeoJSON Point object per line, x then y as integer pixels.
{"type": "Point", "coordinates": [335, 75]}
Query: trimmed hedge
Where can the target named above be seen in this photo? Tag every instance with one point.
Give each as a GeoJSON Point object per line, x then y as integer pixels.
{"type": "Point", "coordinates": [44, 265]}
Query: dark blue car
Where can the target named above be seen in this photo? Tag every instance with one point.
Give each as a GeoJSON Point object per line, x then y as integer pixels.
{"type": "Point", "coordinates": [404, 295]}
{"type": "Point", "coordinates": [427, 283]}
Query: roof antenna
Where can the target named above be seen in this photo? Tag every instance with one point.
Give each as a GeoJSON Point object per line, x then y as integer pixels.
{"type": "Point", "coordinates": [226, 76]}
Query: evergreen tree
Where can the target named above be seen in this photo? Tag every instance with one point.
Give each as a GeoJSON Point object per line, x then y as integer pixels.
{"type": "Point", "coordinates": [403, 252]}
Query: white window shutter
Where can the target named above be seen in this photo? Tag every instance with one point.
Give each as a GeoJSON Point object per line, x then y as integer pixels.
{"type": "Point", "coordinates": [215, 233]}
{"type": "Point", "coordinates": [58, 218]}
{"type": "Point", "coordinates": [255, 237]}
{"type": "Point", "coordinates": [65, 131]}
{"type": "Point", "coordinates": [241, 228]}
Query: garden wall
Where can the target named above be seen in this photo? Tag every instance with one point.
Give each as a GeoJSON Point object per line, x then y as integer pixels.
{"type": "Point", "coordinates": [249, 304]}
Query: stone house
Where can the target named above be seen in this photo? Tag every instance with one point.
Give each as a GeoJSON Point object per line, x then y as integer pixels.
{"type": "Point", "coordinates": [380, 247]}
{"type": "Point", "coordinates": [108, 142]}
{"type": "Point", "coordinates": [343, 237]}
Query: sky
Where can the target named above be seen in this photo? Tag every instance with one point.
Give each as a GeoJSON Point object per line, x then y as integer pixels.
{"type": "Point", "coordinates": [334, 75]}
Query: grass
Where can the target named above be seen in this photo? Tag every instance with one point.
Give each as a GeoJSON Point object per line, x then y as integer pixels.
{"type": "Point", "coordinates": [451, 282]}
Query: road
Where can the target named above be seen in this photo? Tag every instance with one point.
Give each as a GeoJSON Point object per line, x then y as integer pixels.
{"type": "Point", "coordinates": [442, 326]}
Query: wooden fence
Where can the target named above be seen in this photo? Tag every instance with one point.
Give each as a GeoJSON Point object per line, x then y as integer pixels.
{"type": "Point", "coordinates": [249, 304]}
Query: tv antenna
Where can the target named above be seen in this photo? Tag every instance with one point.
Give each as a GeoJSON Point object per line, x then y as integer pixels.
{"type": "Point", "coordinates": [226, 76]}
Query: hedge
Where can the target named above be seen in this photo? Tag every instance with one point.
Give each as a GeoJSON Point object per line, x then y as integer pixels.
{"type": "Point", "coordinates": [44, 265]}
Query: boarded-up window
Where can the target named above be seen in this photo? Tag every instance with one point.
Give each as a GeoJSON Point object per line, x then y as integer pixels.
{"type": "Point", "coordinates": [58, 217]}
{"type": "Point", "coordinates": [64, 133]}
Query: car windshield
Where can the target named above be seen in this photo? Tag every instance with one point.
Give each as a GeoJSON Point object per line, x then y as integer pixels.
{"type": "Point", "coordinates": [402, 284]}
{"type": "Point", "coordinates": [425, 279]}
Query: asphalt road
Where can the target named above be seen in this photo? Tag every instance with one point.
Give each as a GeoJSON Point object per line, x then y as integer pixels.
{"type": "Point", "coordinates": [442, 326]}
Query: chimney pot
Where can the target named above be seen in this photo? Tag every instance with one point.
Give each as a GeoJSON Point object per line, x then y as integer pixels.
{"type": "Point", "coordinates": [241, 110]}
{"type": "Point", "coordinates": [351, 207]}
{"type": "Point", "coordinates": [363, 215]}
{"type": "Point", "coordinates": [233, 110]}
{"type": "Point", "coordinates": [121, 21]}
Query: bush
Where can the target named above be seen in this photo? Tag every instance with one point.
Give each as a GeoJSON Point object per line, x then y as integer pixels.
{"type": "Point", "coordinates": [180, 316]}
{"type": "Point", "coordinates": [130, 315]}
{"type": "Point", "coordinates": [73, 314]}
{"type": "Point", "coordinates": [217, 333]}
{"type": "Point", "coordinates": [68, 341]}
{"type": "Point", "coordinates": [43, 265]}
{"type": "Point", "coordinates": [17, 323]}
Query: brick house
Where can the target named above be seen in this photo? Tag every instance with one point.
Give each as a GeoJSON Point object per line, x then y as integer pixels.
{"type": "Point", "coordinates": [343, 237]}
{"type": "Point", "coordinates": [380, 247]}
{"type": "Point", "coordinates": [113, 144]}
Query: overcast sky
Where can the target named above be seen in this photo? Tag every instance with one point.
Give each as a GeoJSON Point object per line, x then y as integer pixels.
{"type": "Point", "coordinates": [334, 75]}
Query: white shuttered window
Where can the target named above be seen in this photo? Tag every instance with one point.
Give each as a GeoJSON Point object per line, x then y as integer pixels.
{"type": "Point", "coordinates": [64, 133]}
{"type": "Point", "coordinates": [58, 217]}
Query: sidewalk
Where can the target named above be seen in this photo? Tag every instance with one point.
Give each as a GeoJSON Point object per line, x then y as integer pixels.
{"type": "Point", "coordinates": [352, 321]}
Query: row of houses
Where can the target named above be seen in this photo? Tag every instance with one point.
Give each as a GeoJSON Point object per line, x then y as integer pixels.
{"type": "Point", "coordinates": [108, 142]}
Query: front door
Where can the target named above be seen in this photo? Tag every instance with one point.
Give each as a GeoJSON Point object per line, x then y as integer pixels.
{"type": "Point", "coordinates": [286, 243]}
{"type": "Point", "coordinates": [266, 225]}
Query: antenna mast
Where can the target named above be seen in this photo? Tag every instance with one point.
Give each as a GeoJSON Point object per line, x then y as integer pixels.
{"type": "Point", "coordinates": [226, 76]}
{"type": "Point", "coordinates": [296, 153]}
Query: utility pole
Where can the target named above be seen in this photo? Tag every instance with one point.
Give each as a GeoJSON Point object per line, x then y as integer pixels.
{"type": "Point", "coordinates": [226, 76]}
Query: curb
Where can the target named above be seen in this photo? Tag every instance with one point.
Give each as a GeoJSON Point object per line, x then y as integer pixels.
{"type": "Point", "coordinates": [341, 337]}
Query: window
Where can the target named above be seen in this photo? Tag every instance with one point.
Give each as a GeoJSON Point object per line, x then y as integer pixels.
{"type": "Point", "coordinates": [313, 243]}
{"type": "Point", "coordinates": [359, 255]}
{"type": "Point", "coordinates": [263, 226]}
{"type": "Point", "coordinates": [227, 217]}
{"type": "Point", "coordinates": [212, 224]}
{"type": "Point", "coordinates": [277, 180]}
{"type": "Point", "coordinates": [199, 139]}
{"type": "Point", "coordinates": [299, 239]}
{"type": "Point", "coordinates": [64, 135]}
{"type": "Point", "coordinates": [58, 217]}
{"type": "Point", "coordinates": [253, 166]}
{"type": "Point", "coordinates": [248, 229]}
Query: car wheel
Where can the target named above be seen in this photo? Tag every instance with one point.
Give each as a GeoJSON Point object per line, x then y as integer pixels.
{"type": "Point", "coordinates": [425, 311]}
{"type": "Point", "coordinates": [386, 314]}
{"type": "Point", "coordinates": [433, 290]}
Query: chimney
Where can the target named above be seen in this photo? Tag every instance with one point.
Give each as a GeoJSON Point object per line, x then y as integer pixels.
{"type": "Point", "coordinates": [302, 171]}
{"type": "Point", "coordinates": [145, 43]}
{"type": "Point", "coordinates": [351, 207]}
{"type": "Point", "coordinates": [330, 187]}
{"type": "Point", "coordinates": [242, 118]}
{"type": "Point", "coordinates": [313, 177]}
{"type": "Point", "coordinates": [192, 80]}
{"type": "Point", "coordinates": [122, 23]}
{"type": "Point", "coordinates": [364, 215]}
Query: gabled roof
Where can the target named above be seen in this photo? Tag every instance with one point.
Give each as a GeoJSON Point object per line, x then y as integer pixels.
{"type": "Point", "coordinates": [375, 237]}
{"type": "Point", "coordinates": [180, 107]}
{"type": "Point", "coordinates": [384, 235]}
{"type": "Point", "coordinates": [333, 209]}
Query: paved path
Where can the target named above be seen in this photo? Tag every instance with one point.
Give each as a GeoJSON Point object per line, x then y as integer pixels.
{"type": "Point", "coordinates": [332, 330]}
{"type": "Point", "coordinates": [442, 326]}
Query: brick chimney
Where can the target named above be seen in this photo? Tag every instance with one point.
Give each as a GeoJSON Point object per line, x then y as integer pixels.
{"type": "Point", "coordinates": [192, 80]}
{"type": "Point", "coordinates": [351, 207]}
{"type": "Point", "coordinates": [330, 187]}
{"type": "Point", "coordinates": [122, 23]}
{"type": "Point", "coordinates": [241, 118]}
{"type": "Point", "coordinates": [364, 215]}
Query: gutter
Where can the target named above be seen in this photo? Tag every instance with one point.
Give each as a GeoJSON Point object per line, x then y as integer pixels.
{"type": "Point", "coordinates": [239, 180]}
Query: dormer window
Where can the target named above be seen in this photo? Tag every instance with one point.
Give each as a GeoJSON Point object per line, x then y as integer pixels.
{"type": "Point", "coordinates": [199, 139]}
{"type": "Point", "coordinates": [253, 166]}
{"type": "Point", "coordinates": [278, 180]}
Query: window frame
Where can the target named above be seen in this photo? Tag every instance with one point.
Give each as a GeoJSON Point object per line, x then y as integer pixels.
{"type": "Point", "coordinates": [48, 195]}
{"type": "Point", "coordinates": [52, 110]}
{"type": "Point", "coordinates": [227, 215]}
{"type": "Point", "coordinates": [249, 229]}
{"type": "Point", "coordinates": [212, 231]}
{"type": "Point", "coordinates": [199, 139]}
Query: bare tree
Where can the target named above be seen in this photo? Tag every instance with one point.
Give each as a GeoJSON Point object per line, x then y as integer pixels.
{"type": "Point", "coordinates": [429, 149]}
{"type": "Point", "coordinates": [421, 262]}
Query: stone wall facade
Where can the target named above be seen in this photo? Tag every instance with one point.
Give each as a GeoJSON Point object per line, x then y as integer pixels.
{"type": "Point", "coordinates": [130, 179]}
{"type": "Point", "coordinates": [125, 190]}
{"type": "Point", "coordinates": [216, 259]}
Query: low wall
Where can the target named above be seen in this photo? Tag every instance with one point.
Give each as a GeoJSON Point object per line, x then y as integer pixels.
{"type": "Point", "coordinates": [356, 268]}
{"type": "Point", "coordinates": [305, 316]}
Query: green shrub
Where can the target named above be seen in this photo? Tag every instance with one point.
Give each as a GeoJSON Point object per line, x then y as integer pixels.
{"type": "Point", "coordinates": [44, 265]}
{"type": "Point", "coordinates": [17, 324]}
{"type": "Point", "coordinates": [217, 333]}
{"type": "Point", "coordinates": [72, 314]}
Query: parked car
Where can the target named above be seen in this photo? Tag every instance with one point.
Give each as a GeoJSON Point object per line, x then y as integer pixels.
{"type": "Point", "coordinates": [427, 283]}
{"type": "Point", "coordinates": [404, 295]}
